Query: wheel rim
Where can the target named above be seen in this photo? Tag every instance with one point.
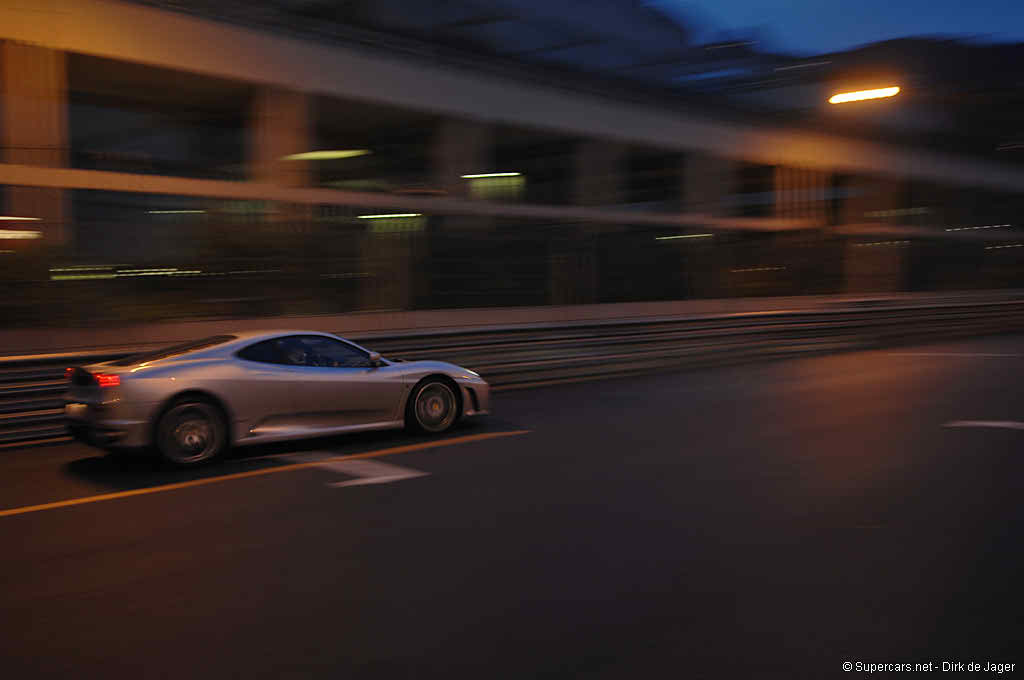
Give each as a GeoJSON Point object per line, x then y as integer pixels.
{"type": "Point", "coordinates": [190, 433]}
{"type": "Point", "coordinates": [435, 407]}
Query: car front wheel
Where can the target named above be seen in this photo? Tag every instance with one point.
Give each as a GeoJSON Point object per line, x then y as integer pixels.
{"type": "Point", "coordinates": [433, 407]}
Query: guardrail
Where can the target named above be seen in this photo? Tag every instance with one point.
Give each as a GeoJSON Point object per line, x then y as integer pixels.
{"type": "Point", "coordinates": [511, 357]}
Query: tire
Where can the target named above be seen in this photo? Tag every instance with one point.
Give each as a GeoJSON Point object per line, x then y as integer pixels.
{"type": "Point", "coordinates": [121, 455]}
{"type": "Point", "coordinates": [191, 431]}
{"type": "Point", "coordinates": [433, 407]}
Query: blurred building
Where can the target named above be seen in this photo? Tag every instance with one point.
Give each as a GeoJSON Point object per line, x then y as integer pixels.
{"type": "Point", "coordinates": [314, 155]}
{"type": "Point", "coordinates": [958, 95]}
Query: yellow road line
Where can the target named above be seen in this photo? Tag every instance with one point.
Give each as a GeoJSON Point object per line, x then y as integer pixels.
{"type": "Point", "coordinates": [255, 473]}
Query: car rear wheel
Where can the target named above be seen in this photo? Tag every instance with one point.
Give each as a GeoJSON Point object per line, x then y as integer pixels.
{"type": "Point", "coordinates": [433, 407]}
{"type": "Point", "coordinates": [191, 431]}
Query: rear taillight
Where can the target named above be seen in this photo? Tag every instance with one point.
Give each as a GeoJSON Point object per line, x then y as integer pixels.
{"type": "Point", "coordinates": [107, 379]}
{"type": "Point", "coordinates": [68, 372]}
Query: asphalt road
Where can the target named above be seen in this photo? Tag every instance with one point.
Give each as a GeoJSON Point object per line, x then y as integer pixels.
{"type": "Point", "coordinates": [768, 521]}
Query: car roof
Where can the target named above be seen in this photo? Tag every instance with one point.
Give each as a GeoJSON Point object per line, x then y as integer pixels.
{"type": "Point", "coordinates": [257, 335]}
{"type": "Point", "coordinates": [245, 338]}
{"type": "Point", "coordinates": [236, 342]}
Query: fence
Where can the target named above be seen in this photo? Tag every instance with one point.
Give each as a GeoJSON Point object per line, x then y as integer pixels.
{"type": "Point", "coordinates": [508, 357]}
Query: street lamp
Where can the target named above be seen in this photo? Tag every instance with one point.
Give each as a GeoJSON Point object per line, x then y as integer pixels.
{"type": "Point", "coordinates": [861, 95]}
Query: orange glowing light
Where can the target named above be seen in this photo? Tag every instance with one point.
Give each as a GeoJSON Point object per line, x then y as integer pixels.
{"type": "Point", "coordinates": [861, 95]}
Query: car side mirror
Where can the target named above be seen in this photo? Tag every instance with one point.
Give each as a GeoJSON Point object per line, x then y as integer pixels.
{"type": "Point", "coordinates": [375, 359]}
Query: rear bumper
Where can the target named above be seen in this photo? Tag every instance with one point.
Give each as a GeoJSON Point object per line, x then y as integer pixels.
{"type": "Point", "coordinates": [93, 435]}
{"type": "Point", "coordinates": [94, 427]}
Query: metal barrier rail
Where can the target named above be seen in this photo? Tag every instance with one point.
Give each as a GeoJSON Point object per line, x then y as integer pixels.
{"type": "Point", "coordinates": [31, 387]}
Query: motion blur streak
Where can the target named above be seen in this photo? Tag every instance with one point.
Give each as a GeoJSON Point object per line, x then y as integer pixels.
{"type": "Point", "coordinates": [671, 238]}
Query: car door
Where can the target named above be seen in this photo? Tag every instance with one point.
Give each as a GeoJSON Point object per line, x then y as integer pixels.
{"type": "Point", "coordinates": [337, 385]}
{"type": "Point", "coordinates": [263, 392]}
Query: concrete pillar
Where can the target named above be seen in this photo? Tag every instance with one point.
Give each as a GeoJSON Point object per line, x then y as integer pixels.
{"type": "Point", "coordinates": [461, 147]}
{"type": "Point", "coordinates": [708, 181]}
{"type": "Point", "coordinates": [822, 186]}
{"type": "Point", "coordinates": [957, 210]}
{"type": "Point", "coordinates": [781, 248]}
{"type": "Point", "coordinates": [809, 255]}
{"type": "Point", "coordinates": [783, 192]}
{"type": "Point", "coordinates": [805, 188]}
{"type": "Point", "coordinates": [34, 131]}
{"type": "Point", "coordinates": [805, 191]}
{"type": "Point", "coordinates": [599, 173]}
{"type": "Point", "coordinates": [801, 194]}
{"type": "Point", "coordinates": [598, 179]}
{"type": "Point", "coordinates": [279, 126]}
{"type": "Point", "coordinates": [572, 266]}
{"type": "Point", "coordinates": [389, 258]}
{"type": "Point", "coordinates": [874, 268]}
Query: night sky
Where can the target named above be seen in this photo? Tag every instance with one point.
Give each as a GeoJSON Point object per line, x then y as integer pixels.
{"type": "Point", "coordinates": [816, 26]}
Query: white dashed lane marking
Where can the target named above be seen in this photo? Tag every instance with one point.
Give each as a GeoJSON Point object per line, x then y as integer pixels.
{"type": "Point", "coordinates": [373, 472]}
{"type": "Point", "coordinates": [260, 472]}
{"type": "Point", "coordinates": [953, 354]}
{"type": "Point", "coordinates": [1005, 424]}
{"type": "Point", "coordinates": [365, 471]}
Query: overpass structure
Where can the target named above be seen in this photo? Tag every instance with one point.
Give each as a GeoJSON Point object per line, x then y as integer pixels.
{"type": "Point", "coordinates": [135, 138]}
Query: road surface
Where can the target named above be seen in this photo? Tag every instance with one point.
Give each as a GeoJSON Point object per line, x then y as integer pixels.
{"type": "Point", "coordinates": [768, 521]}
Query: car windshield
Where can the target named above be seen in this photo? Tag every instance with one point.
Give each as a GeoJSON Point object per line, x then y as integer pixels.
{"type": "Point", "coordinates": [173, 350]}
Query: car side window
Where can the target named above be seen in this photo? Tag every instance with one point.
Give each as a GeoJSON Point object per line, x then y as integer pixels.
{"type": "Point", "coordinates": [293, 351]}
{"type": "Point", "coordinates": [328, 352]}
{"type": "Point", "coordinates": [267, 352]}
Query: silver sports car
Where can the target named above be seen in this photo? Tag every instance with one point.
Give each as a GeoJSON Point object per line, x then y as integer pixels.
{"type": "Point", "coordinates": [194, 400]}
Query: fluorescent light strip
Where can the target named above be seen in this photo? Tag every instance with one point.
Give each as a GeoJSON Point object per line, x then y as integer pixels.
{"type": "Point", "coordinates": [669, 238]}
{"type": "Point", "coordinates": [137, 271]}
{"type": "Point", "coordinates": [987, 226]}
{"type": "Point", "coordinates": [175, 212]}
{"type": "Point", "coordinates": [19, 234]}
{"type": "Point", "coordinates": [327, 155]}
{"type": "Point", "coordinates": [11, 218]}
{"type": "Point", "coordinates": [80, 269]}
{"type": "Point", "coordinates": [128, 273]}
{"type": "Point", "coordinates": [79, 277]}
{"type": "Point", "coordinates": [492, 174]}
{"type": "Point", "coordinates": [385, 217]}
